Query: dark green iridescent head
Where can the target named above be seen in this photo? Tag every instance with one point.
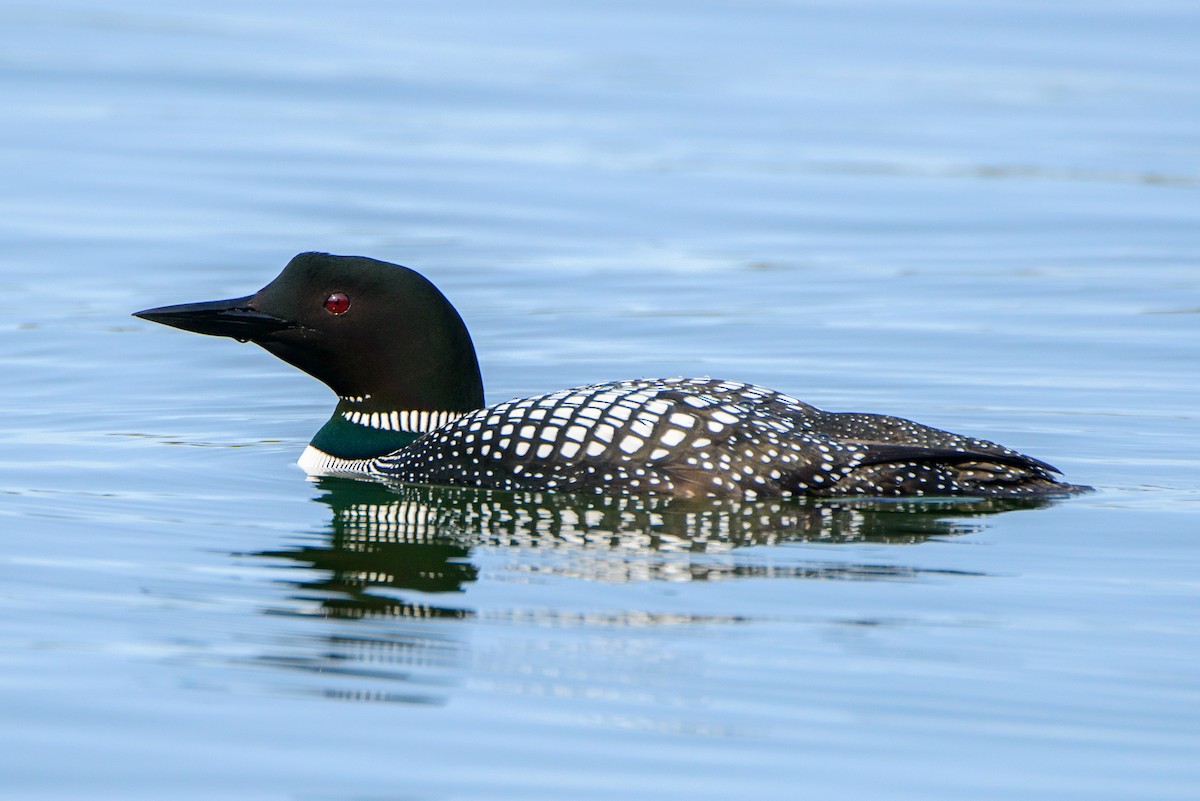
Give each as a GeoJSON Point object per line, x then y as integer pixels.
{"type": "Point", "coordinates": [367, 328]}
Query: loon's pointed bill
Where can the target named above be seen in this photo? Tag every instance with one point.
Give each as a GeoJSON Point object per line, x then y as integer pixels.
{"type": "Point", "coordinates": [411, 408]}
{"type": "Point", "coordinates": [236, 318]}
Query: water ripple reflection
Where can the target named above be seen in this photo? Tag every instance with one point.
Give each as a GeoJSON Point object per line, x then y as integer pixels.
{"type": "Point", "coordinates": [420, 539]}
{"type": "Point", "coordinates": [390, 576]}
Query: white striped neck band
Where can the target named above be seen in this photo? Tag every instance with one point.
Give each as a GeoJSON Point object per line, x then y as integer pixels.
{"type": "Point", "coordinates": [417, 422]}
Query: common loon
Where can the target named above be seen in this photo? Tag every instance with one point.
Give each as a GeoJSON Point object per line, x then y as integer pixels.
{"type": "Point", "coordinates": [410, 408]}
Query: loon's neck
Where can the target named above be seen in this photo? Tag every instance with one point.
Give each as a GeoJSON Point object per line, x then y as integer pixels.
{"type": "Point", "coordinates": [362, 428]}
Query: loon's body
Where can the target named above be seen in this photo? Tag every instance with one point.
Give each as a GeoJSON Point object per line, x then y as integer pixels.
{"type": "Point", "coordinates": [411, 409]}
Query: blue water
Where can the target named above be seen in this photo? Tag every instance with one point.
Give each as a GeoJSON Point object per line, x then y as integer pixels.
{"type": "Point", "coordinates": [982, 216]}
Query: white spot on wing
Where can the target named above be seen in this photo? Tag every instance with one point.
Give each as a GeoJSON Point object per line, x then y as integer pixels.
{"type": "Point", "coordinates": [631, 444]}
{"type": "Point", "coordinates": [672, 437]}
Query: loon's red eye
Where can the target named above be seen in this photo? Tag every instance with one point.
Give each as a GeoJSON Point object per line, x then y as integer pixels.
{"type": "Point", "coordinates": [337, 303]}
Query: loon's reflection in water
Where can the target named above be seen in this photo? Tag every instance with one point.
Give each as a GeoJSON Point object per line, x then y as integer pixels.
{"type": "Point", "coordinates": [420, 539]}
{"type": "Point", "coordinates": [398, 560]}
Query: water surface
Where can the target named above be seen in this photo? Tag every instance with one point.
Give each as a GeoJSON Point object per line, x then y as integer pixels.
{"type": "Point", "coordinates": [984, 217]}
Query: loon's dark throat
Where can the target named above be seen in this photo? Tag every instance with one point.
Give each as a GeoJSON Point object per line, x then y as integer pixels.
{"type": "Point", "coordinates": [358, 430]}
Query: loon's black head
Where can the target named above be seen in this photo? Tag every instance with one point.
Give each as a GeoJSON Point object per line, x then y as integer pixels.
{"type": "Point", "coordinates": [367, 328]}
